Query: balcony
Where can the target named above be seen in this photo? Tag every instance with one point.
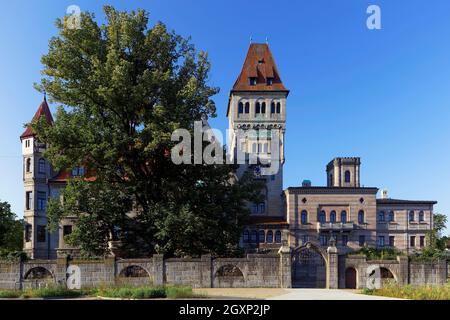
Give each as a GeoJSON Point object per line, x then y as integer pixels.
{"type": "Point", "coordinates": [419, 226]}
{"type": "Point", "coordinates": [335, 226]}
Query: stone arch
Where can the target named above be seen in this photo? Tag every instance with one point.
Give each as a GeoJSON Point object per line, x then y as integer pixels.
{"type": "Point", "coordinates": [134, 274]}
{"type": "Point", "coordinates": [38, 273]}
{"type": "Point", "coordinates": [387, 276]}
{"type": "Point", "coordinates": [134, 271]}
{"type": "Point", "coordinates": [229, 276]}
{"type": "Point", "coordinates": [351, 278]}
{"type": "Point", "coordinates": [309, 266]}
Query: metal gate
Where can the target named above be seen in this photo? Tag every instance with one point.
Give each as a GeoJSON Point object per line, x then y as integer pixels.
{"type": "Point", "coordinates": [308, 268]}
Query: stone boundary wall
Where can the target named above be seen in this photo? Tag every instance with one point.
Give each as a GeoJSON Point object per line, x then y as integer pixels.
{"type": "Point", "coordinates": [403, 271]}
{"type": "Point", "coordinates": [255, 270]}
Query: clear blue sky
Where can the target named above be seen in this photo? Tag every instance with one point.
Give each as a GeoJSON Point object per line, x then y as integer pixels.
{"type": "Point", "coordinates": [381, 95]}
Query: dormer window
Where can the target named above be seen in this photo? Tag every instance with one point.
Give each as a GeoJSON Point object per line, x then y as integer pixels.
{"type": "Point", "coordinates": [269, 81]}
{"type": "Point", "coordinates": [253, 81]}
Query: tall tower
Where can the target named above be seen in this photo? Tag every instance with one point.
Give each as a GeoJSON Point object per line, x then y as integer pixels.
{"type": "Point", "coordinates": [257, 116]}
{"type": "Point", "coordinates": [344, 172]}
{"type": "Point", "coordinates": [38, 243]}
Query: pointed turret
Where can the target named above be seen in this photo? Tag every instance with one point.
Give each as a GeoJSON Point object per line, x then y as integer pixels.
{"type": "Point", "coordinates": [259, 72]}
{"type": "Point", "coordinates": [42, 111]}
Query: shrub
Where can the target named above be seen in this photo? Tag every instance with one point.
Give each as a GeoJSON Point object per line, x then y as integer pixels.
{"type": "Point", "coordinates": [10, 294]}
{"type": "Point", "coordinates": [133, 292]}
{"type": "Point", "coordinates": [378, 254]}
{"type": "Point", "coordinates": [413, 292]}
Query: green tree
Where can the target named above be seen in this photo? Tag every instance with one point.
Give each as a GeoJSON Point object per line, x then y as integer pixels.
{"type": "Point", "coordinates": [11, 230]}
{"type": "Point", "coordinates": [124, 87]}
{"type": "Point", "coordinates": [436, 239]}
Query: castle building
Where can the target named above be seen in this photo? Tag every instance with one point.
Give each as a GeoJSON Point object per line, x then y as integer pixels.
{"type": "Point", "coordinates": [342, 212]}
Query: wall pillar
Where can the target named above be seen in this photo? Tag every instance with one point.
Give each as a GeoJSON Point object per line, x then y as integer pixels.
{"type": "Point", "coordinates": [285, 277]}
{"type": "Point", "coordinates": [158, 269]}
{"type": "Point", "coordinates": [403, 270]}
{"type": "Point", "coordinates": [206, 271]}
{"type": "Point", "coordinates": [332, 268]}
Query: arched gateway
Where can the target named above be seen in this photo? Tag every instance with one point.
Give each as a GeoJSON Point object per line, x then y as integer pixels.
{"type": "Point", "coordinates": [309, 268]}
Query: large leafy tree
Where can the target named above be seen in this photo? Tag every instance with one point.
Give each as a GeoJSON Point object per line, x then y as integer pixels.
{"type": "Point", "coordinates": [11, 230]}
{"type": "Point", "coordinates": [124, 87]}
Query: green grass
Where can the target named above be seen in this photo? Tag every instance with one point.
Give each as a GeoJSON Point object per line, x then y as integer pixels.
{"type": "Point", "coordinates": [412, 292]}
{"type": "Point", "coordinates": [121, 292]}
{"type": "Point", "coordinates": [10, 293]}
{"type": "Point", "coordinates": [132, 292]}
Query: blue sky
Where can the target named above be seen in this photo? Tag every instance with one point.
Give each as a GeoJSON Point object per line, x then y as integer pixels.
{"type": "Point", "coordinates": [382, 95]}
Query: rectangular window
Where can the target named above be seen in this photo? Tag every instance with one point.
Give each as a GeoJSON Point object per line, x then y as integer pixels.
{"type": "Point", "coordinates": [305, 239]}
{"type": "Point", "coordinates": [28, 230]}
{"type": "Point", "coordinates": [29, 200]}
{"type": "Point", "coordinates": [412, 241]}
{"type": "Point", "coordinates": [391, 241]}
{"type": "Point", "coordinates": [262, 207]}
{"type": "Point", "coordinates": [381, 241]}
{"type": "Point", "coordinates": [323, 239]}
{"type": "Point", "coordinates": [344, 240]}
{"type": "Point", "coordinates": [41, 200]}
{"type": "Point", "coordinates": [269, 81]}
{"type": "Point", "coordinates": [41, 166]}
{"type": "Point", "coordinates": [41, 232]}
{"type": "Point", "coordinates": [422, 241]}
{"type": "Point", "coordinates": [253, 81]}
{"type": "Point", "coordinates": [67, 229]}
{"type": "Point", "coordinates": [362, 241]}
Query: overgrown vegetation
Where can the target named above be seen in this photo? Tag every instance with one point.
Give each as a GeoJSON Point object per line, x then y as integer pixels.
{"type": "Point", "coordinates": [121, 292]}
{"type": "Point", "coordinates": [412, 292]}
{"type": "Point", "coordinates": [437, 243]}
{"type": "Point", "coordinates": [11, 233]}
{"type": "Point", "coordinates": [378, 254]}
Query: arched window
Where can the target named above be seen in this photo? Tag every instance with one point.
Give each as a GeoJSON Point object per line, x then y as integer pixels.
{"type": "Point", "coordinates": [391, 216]}
{"type": "Point", "coordinates": [278, 107]}
{"type": "Point", "coordinates": [361, 216]}
{"type": "Point", "coordinates": [278, 236]}
{"type": "Point", "coordinates": [246, 236]}
{"type": "Point", "coordinates": [269, 238]}
{"type": "Point", "coordinates": [247, 107]}
{"type": "Point", "coordinates": [421, 216]}
{"type": "Point", "coordinates": [411, 215]}
{"type": "Point", "coordinates": [344, 216]}
{"type": "Point", "coordinates": [261, 236]}
{"type": "Point", "coordinates": [272, 107]}
{"type": "Point", "coordinates": [240, 108]}
{"type": "Point", "coordinates": [28, 165]}
{"type": "Point", "coordinates": [263, 107]}
{"type": "Point", "coordinates": [322, 216]}
{"type": "Point", "coordinates": [304, 217]}
{"type": "Point", "coordinates": [41, 166]}
{"type": "Point", "coordinates": [257, 107]}
{"type": "Point", "coordinates": [253, 236]}
{"type": "Point", "coordinates": [347, 176]}
{"type": "Point", "coordinates": [333, 216]}
{"type": "Point", "coordinates": [381, 216]}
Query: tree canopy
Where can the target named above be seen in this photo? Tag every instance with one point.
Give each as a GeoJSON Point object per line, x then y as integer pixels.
{"type": "Point", "coordinates": [123, 87]}
{"type": "Point", "coordinates": [11, 230]}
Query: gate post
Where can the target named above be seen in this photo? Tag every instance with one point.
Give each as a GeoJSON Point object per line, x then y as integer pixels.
{"type": "Point", "coordinates": [332, 266]}
{"type": "Point", "coordinates": [285, 275]}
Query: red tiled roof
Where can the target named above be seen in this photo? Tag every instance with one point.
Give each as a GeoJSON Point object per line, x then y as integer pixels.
{"type": "Point", "coordinates": [65, 175]}
{"type": "Point", "coordinates": [43, 110]}
{"type": "Point", "coordinates": [259, 64]}
{"type": "Point", "coordinates": [267, 220]}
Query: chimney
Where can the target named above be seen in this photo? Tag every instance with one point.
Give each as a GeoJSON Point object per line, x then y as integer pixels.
{"type": "Point", "coordinates": [384, 194]}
